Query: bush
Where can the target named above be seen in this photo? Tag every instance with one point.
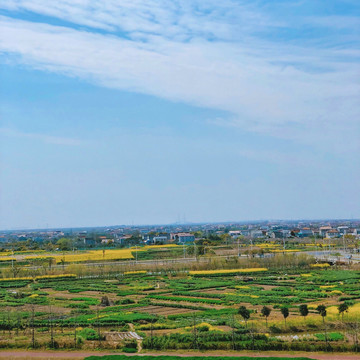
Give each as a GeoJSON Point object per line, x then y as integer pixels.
{"type": "Point", "coordinates": [274, 329]}
{"type": "Point", "coordinates": [89, 334]}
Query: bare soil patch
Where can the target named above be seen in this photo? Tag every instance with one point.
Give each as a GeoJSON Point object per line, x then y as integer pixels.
{"type": "Point", "coordinates": [163, 310]}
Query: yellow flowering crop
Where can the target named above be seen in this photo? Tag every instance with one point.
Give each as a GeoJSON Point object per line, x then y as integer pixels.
{"type": "Point", "coordinates": [135, 272]}
{"type": "Point", "coordinates": [7, 258]}
{"type": "Point", "coordinates": [285, 250]}
{"type": "Point", "coordinates": [325, 265]}
{"type": "Point", "coordinates": [242, 287]}
{"type": "Point", "coordinates": [96, 255]}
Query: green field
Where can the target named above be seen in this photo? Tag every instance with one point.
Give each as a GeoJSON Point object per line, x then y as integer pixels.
{"type": "Point", "coordinates": [175, 310]}
{"type": "Point", "coordinates": [283, 302]}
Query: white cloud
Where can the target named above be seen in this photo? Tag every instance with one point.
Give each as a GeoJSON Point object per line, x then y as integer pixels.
{"type": "Point", "coordinates": [49, 139]}
{"type": "Point", "coordinates": [205, 55]}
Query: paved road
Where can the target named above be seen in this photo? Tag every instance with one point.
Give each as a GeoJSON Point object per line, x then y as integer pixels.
{"type": "Point", "coordinates": [321, 255]}
{"type": "Point", "coordinates": [326, 255]}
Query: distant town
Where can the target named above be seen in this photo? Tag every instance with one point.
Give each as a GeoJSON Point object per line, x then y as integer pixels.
{"type": "Point", "coordinates": [185, 234]}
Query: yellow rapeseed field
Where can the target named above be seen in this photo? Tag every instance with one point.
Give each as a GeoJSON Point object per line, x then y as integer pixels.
{"type": "Point", "coordinates": [40, 277]}
{"type": "Point", "coordinates": [135, 272]}
{"type": "Point", "coordinates": [353, 311]}
{"type": "Point", "coordinates": [147, 247]}
{"type": "Point", "coordinates": [96, 255]}
{"type": "Point", "coordinates": [325, 265]}
{"type": "Point", "coordinates": [284, 250]}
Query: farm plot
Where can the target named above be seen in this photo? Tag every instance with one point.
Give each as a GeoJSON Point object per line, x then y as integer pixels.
{"type": "Point", "coordinates": [225, 312]}
{"type": "Point", "coordinates": [164, 310]}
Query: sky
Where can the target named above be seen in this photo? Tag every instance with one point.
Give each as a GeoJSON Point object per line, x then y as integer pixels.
{"type": "Point", "coordinates": [156, 112]}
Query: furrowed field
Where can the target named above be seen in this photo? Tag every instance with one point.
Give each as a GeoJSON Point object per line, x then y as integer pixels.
{"type": "Point", "coordinates": [283, 303]}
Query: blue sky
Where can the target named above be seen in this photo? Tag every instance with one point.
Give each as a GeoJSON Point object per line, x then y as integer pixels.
{"type": "Point", "coordinates": [121, 112]}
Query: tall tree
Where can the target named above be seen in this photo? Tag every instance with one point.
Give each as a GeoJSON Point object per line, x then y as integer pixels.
{"type": "Point", "coordinates": [321, 309]}
{"type": "Point", "coordinates": [304, 310]}
{"type": "Point", "coordinates": [51, 325]}
{"type": "Point", "coordinates": [266, 311]}
{"type": "Point", "coordinates": [244, 313]}
{"type": "Point", "coordinates": [32, 327]}
{"type": "Point", "coordinates": [341, 309]}
{"type": "Point", "coordinates": [285, 313]}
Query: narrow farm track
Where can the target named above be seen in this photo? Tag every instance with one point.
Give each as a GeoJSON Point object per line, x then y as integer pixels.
{"type": "Point", "coordinates": [77, 355]}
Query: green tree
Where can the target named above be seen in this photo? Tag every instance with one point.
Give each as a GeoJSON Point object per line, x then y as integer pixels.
{"type": "Point", "coordinates": [244, 313]}
{"type": "Point", "coordinates": [341, 309]}
{"type": "Point", "coordinates": [64, 244]}
{"type": "Point", "coordinates": [304, 310]}
{"type": "Point", "coordinates": [321, 309]}
{"type": "Point", "coordinates": [285, 313]}
{"type": "Point", "coordinates": [266, 311]}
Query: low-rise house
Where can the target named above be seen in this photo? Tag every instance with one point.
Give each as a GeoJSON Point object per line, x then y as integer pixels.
{"type": "Point", "coordinates": [305, 232]}
{"type": "Point", "coordinates": [279, 234]}
{"type": "Point", "coordinates": [107, 241]}
{"type": "Point", "coordinates": [183, 237]}
{"type": "Point", "coordinates": [331, 234]}
{"type": "Point", "coordinates": [257, 234]}
{"type": "Point", "coordinates": [324, 229]}
{"type": "Point", "coordinates": [343, 229]}
{"type": "Point", "coordinates": [160, 239]}
{"type": "Point", "coordinates": [235, 233]}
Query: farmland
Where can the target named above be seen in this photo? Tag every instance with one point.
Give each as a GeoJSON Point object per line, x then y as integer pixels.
{"type": "Point", "coordinates": [283, 303]}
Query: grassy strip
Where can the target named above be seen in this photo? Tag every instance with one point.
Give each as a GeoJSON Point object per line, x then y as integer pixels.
{"type": "Point", "coordinates": [124, 357]}
{"type": "Point", "coordinates": [188, 299]}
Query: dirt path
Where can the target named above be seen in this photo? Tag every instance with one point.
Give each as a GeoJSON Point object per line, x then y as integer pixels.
{"type": "Point", "coordinates": [138, 341]}
{"type": "Point", "coordinates": [79, 355]}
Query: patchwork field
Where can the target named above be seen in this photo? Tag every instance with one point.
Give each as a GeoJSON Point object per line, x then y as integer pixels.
{"type": "Point", "coordinates": [226, 309]}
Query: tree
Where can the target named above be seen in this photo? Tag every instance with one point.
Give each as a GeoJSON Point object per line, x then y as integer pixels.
{"type": "Point", "coordinates": [245, 313]}
{"type": "Point", "coordinates": [266, 311]}
{"type": "Point", "coordinates": [321, 309]}
{"type": "Point", "coordinates": [342, 308]}
{"type": "Point", "coordinates": [285, 313]}
{"type": "Point", "coordinates": [64, 244]}
{"type": "Point", "coordinates": [304, 310]}
{"type": "Point", "coordinates": [33, 341]}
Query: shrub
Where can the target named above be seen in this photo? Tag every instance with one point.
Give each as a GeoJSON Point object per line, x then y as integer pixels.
{"type": "Point", "coordinates": [89, 334]}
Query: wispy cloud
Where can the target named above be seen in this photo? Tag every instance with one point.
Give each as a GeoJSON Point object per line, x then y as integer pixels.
{"type": "Point", "coordinates": [48, 139]}
{"type": "Point", "coordinates": [204, 53]}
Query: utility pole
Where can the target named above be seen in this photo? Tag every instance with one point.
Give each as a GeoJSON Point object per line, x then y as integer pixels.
{"type": "Point", "coordinates": [12, 257]}
{"type": "Point", "coordinates": [75, 340]}
{"type": "Point", "coordinates": [151, 331]}
{"type": "Point", "coordinates": [51, 328]}
{"type": "Point", "coordinates": [33, 327]}
{"type": "Point", "coordinates": [233, 331]}
{"type": "Point", "coordinates": [98, 325]}
{"type": "Point", "coordinates": [194, 333]}
{"type": "Point", "coordinates": [284, 240]}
